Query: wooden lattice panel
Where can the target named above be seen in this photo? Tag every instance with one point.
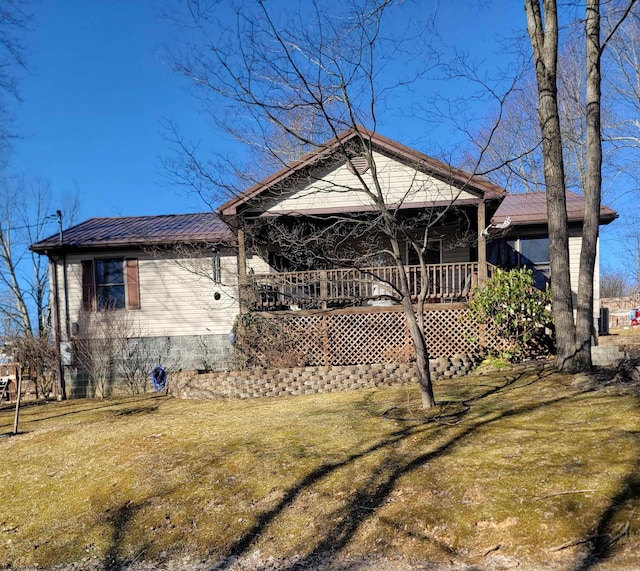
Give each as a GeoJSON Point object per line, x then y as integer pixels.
{"type": "Point", "coordinates": [310, 335]}
{"type": "Point", "coordinates": [376, 336]}
{"type": "Point", "coordinates": [449, 332]}
{"type": "Point", "coordinates": [366, 338]}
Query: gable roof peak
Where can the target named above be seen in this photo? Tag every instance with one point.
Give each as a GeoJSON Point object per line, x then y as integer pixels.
{"type": "Point", "coordinates": [439, 169]}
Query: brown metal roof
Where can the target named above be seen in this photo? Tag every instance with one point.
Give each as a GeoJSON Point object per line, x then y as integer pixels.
{"type": "Point", "coordinates": [425, 163]}
{"type": "Point", "coordinates": [530, 208]}
{"type": "Point", "coordinates": [137, 231]}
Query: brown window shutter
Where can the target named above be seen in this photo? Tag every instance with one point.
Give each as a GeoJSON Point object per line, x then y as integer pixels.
{"type": "Point", "coordinates": [133, 283]}
{"type": "Point", "coordinates": [88, 287]}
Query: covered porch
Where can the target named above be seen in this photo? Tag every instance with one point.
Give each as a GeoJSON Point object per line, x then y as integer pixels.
{"type": "Point", "coordinates": [349, 287]}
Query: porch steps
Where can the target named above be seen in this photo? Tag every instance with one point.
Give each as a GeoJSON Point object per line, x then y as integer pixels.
{"type": "Point", "coordinates": [618, 340]}
{"type": "Point", "coordinates": [606, 355]}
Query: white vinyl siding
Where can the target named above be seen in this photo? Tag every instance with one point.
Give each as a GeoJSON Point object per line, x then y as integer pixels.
{"type": "Point", "coordinates": [575, 245]}
{"type": "Point", "coordinates": [258, 265]}
{"type": "Point", "coordinates": [456, 255]}
{"type": "Point", "coordinates": [174, 299]}
{"type": "Point", "coordinates": [338, 187]}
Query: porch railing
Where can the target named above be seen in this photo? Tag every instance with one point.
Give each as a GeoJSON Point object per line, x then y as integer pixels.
{"type": "Point", "coordinates": [316, 289]}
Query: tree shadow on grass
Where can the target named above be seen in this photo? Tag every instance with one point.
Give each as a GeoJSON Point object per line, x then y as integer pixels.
{"type": "Point", "coordinates": [99, 405]}
{"type": "Point", "coordinates": [138, 410]}
{"type": "Point", "coordinates": [375, 491]}
{"type": "Point", "coordinates": [119, 519]}
{"type": "Point", "coordinates": [606, 536]}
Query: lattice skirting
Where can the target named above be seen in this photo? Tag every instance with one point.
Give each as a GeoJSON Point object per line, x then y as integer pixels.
{"type": "Point", "coordinates": [362, 336]}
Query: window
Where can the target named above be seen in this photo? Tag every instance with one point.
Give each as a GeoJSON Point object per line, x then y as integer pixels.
{"type": "Point", "coordinates": [533, 251]}
{"type": "Point", "coordinates": [110, 283]}
{"type": "Point", "coordinates": [432, 255]}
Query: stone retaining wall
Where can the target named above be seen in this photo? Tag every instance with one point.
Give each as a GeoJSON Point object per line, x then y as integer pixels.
{"type": "Point", "coordinates": [254, 383]}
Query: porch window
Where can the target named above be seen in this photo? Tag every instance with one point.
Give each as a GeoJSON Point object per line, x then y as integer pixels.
{"type": "Point", "coordinates": [110, 283]}
{"type": "Point", "coordinates": [433, 253]}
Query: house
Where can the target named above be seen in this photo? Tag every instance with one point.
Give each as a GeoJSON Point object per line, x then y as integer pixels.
{"type": "Point", "coordinates": [176, 283]}
{"type": "Point", "coordinates": [621, 311]}
{"type": "Point", "coordinates": [526, 243]}
{"type": "Point", "coordinates": [167, 281]}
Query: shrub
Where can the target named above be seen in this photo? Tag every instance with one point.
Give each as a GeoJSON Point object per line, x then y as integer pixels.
{"type": "Point", "coordinates": [268, 342]}
{"type": "Point", "coordinates": [37, 356]}
{"type": "Point", "coordinates": [512, 309]}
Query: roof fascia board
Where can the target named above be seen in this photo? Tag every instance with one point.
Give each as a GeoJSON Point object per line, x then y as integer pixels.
{"type": "Point", "coordinates": [51, 249]}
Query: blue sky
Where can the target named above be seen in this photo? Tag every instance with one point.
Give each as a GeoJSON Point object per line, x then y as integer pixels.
{"type": "Point", "coordinates": [94, 95]}
{"type": "Point", "coordinates": [97, 91]}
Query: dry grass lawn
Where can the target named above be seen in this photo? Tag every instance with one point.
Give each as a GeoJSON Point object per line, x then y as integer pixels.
{"type": "Point", "coordinates": [525, 464]}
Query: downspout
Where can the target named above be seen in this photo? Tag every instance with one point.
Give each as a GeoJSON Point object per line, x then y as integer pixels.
{"type": "Point", "coordinates": [65, 289]}
{"type": "Point", "coordinates": [61, 380]}
{"type": "Point", "coordinates": [60, 389]}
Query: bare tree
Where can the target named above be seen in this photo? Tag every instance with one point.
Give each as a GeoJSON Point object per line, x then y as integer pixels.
{"type": "Point", "coordinates": [37, 356]}
{"type": "Point", "coordinates": [14, 21]}
{"type": "Point", "coordinates": [613, 284]}
{"type": "Point", "coordinates": [27, 215]}
{"type": "Point", "coordinates": [514, 158]}
{"type": "Point", "coordinates": [631, 247]}
{"type": "Point", "coordinates": [111, 351]}
{"type": "Point", "coordinates": [622, 82]}
{"type": "Point", "coordinates": [573, 338]}
{"type": "Point", "coordinates": [514, 135]}
{"type": "Point", "coordinates": [326, 71]}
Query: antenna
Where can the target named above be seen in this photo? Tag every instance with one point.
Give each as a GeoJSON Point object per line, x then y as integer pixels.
{"type": "Point", "coordinates": [59, 215]}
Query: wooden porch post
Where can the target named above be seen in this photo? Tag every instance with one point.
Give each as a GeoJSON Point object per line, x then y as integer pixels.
{"type": "Point", "coordinates": [242, 272]}
{"type": "Point", "coordinates": [482, 244]}
{"type": "Point", "coordinates": [324, 290]}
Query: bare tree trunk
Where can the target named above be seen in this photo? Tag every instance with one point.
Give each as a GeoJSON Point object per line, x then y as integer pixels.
{"type": "Point", "coordinates": [416, 323]}
{"type": "Point", "coordinates": [544, 42]}
{"type": "Point", "coordinates": [592, 188]}
{"type": "Point", "coordinates": [421, 354]}
{"type": "Point", "coordinates": [10, 280]}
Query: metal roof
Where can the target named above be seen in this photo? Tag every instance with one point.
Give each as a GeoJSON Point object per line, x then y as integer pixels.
{"type": "Point", "coordinates": [138, 231]}
{"type": "Point", "coordinates": [530, 208]}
